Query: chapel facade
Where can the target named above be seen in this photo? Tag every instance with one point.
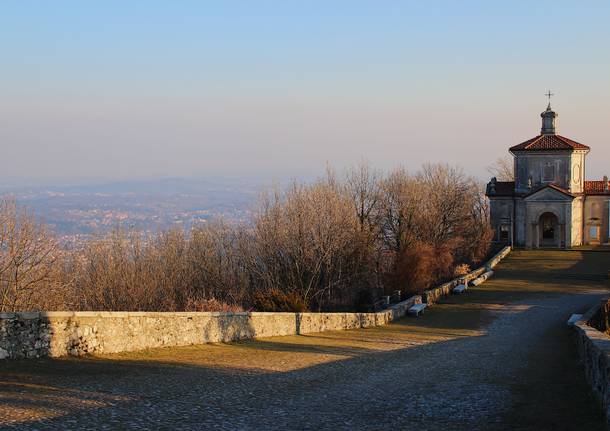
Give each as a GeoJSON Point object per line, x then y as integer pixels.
{"type": "Point", "coordinates": [549, 203]}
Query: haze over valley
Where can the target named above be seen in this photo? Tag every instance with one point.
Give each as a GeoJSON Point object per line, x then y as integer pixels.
{"type": "Point", "coordinates": [77, 212]}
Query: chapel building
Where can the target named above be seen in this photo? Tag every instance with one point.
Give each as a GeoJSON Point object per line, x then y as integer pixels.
{"type": "Point", "coordinates": [549, 203]}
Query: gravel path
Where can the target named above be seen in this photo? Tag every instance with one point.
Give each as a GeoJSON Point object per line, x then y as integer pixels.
{"type": "Point", "coordinates": [496, 358]}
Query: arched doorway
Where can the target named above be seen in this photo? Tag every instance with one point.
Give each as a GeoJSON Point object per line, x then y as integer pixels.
{"type": "Point", "coordinates": [548, 231]}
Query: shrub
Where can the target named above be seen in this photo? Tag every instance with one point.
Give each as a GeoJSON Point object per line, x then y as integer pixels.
{"type": "Point", "coordinates": [444, 259]}
{"type": "Point", "coordinates": [276, 300]}
{"type": "Point", "coordinates": [364, 301]}
{"type": "Point", "coordinates": [461, 270]}
{"type": "Point", "coordinates": [416, 268]}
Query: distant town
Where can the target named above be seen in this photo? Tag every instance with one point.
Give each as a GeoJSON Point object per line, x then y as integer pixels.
{"type": "Point", "coordinates": [77, 213]}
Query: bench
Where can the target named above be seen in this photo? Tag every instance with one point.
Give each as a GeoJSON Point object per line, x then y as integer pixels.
{"type": "Point", "coordinates": [460, 288]}
{"type": "Point", "coordinates": [573, 319]}
{"type": "Point", "coordinates": [417, 309]}
{"type": "Point", "coordinates": [477, 281]}
{"type": "Point", "coordinates": [487, 274]}
{"type": "Point", "coordinates": [482, 278]}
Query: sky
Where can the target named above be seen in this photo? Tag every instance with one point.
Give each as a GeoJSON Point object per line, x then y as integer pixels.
{"type": "Point", "coordinates": [140, 89]}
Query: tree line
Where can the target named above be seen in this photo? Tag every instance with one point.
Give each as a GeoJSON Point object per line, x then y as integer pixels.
{"type": "Point", "coordinates": [335, 244]}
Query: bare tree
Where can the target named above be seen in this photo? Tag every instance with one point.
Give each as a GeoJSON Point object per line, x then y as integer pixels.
{"type": "Point", "coordinates": [218, 256]}
{"type": "Point", "coordinates": [502, 169]}
{"type": "Point", "coordinates": [334, 244]}
{"type": "Point", "coordinates": [363, 185]}
{"type": "Point", "coordinates": [401, 209]}
{"type": "Point", "coordinates": [27, 259]}
{"type": "Point", "coordinates": [307, 242]}
{"type": "Point", "coordinates": [449, 199]}
{"type": "Point", "coordinates": [170, 271]}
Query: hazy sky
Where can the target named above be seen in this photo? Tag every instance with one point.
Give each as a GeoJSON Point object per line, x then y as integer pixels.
{"type": "Point", "coordinates": [123, 89]}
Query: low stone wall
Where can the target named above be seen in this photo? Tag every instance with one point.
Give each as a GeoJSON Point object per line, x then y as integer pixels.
{"type": "Point", "coordinates": [491, 263]}
{"type": "Point", "coordinates": [594, 351]}
{"type": "Point", "coordinates": [33, 335]}
{"type": "Point", "coordinates": [432, 296]}
{"type": "Point", "coordinates": [435, 294]}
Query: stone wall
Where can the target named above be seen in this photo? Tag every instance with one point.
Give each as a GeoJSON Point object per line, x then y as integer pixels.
{"type": "Point", "coordinates": [594, 351]}
{"type": "Point", "coordinates": [491, 263]}
{"type": "Point", "coordinates": [434, 295]}
{"type": "Point", "coordinates": [32, 335]}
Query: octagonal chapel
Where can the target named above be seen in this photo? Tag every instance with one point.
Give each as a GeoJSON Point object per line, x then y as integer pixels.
{"type": "Point", "coordinates": [549, 203]}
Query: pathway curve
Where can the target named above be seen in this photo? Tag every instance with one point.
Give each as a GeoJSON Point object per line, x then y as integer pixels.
{"type": "Point", "coordinates": [497, 358]}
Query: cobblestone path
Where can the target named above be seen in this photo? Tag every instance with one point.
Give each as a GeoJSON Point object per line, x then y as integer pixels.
{"type": "Point", "coordinates": [496, 358]}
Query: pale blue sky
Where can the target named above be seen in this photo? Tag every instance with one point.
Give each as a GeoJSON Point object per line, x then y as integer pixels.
{"type": "Point", "coordinates": [120, 89]}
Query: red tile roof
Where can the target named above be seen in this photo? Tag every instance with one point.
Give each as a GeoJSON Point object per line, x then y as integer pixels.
{"type": "Point", "coordinates": [549, 142]}
{"type": "Point", "coordinates": [596, 188]}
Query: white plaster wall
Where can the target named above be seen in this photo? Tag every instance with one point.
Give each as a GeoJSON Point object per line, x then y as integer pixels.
{"type": "Point", "coordinates": [577, 169]}
{"type": "Point", "coordinates": [576, 226]}
{"type": "Point", "coordinates": [596, 214]}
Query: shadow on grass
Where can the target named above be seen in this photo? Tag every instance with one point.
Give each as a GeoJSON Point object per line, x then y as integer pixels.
{"type": "Point", "coordinates": [309, 345]}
